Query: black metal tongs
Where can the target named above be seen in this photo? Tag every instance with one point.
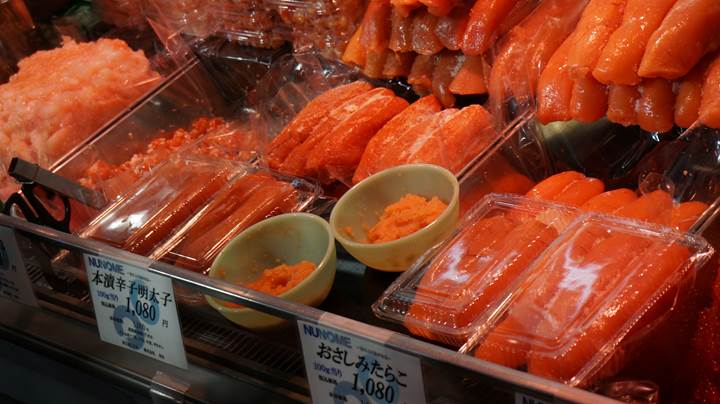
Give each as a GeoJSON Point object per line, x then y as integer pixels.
{"type": "Point", "coordinates": [33, 178]}
{"type": "Point", "coordinates": [29, 203]}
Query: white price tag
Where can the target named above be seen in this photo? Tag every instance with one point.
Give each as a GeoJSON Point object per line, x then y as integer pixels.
{"type": "Point", "coordinates": [135, 309]}
{"type": "Point", "coordinates": [521, 398]}
{"type": "Point", "coordinates": [345, 368]}
{"type": "Point", "coordinates": [14, 281]}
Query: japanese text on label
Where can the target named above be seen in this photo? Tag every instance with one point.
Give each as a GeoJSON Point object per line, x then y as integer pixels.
{"type": "Point", "coordinates": [14, 281]}
{"type": "Point", "coordinates": [135, 309]}
{"type": "Point", "coordinates": [343, 368]}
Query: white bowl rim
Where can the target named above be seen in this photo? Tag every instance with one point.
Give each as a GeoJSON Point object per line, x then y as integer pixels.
{"type": "Point", "coordinates": [244, 234]}
{"type": "Point", "coordinates": [377, 177]}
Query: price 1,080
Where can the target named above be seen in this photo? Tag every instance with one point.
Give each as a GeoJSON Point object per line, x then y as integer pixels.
{"type": "Point", "coordinates": [376, 389]}
{"type": "Point", "coordinates": [143, 309]}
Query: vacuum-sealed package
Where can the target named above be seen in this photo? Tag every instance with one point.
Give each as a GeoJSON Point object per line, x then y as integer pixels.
{"type": "Point", "coordinates": [321, 26]}
{"type": "Point", "coordinates": [522, 54]}
{"type": "Point", "coordinates": [60, 97]}
{"type": "Point", "coordinates": [66, 89]}
{"type": "Point", "coordinates": [624, 158]}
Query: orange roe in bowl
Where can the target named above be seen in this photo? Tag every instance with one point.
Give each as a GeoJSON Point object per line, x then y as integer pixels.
{"type": "Point", "coordinates": [278, 280]}
{"type": "Point", "coordinates": [404, 217]}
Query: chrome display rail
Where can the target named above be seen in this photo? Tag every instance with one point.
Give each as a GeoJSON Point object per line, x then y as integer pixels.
{"type": "Point", "coordinates": [448, 375]}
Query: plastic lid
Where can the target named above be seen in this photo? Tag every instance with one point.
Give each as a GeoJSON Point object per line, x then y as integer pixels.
{"type": "Point", "coordinates": [449, 294]}
{"type": "Point", "coordinates": [602, 280]}
{"type": "Point", "coordinates": [146, 215]}
{"type": "Point", "coordinates": [249, 198]}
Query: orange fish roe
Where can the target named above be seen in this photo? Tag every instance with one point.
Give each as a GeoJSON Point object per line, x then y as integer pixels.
{"type": "Point", "coordinates": [406, 216]}
{"type": "Point", "coordinates": [278, 280]}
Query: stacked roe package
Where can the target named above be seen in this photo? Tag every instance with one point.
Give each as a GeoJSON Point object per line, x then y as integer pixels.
{"type": "Point", "coordinates": [189, 208]}
{"type": "Point", "coordinates": [540, 286]}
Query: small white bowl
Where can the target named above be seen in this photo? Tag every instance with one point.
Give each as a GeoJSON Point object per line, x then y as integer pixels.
{"type": "Point", "coordinates": [362, 206]}
{"type": "Point", "coordinates": [284, 239]}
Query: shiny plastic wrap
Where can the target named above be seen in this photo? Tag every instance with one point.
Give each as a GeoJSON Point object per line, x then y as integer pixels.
{"type": "Point", "coordinates": [146, 214]}
{"type": "Point", "coordinates": [323, 26]}
{"type": "Point", "coordinates": [603, 282]}
{"type": "Point", "coordinates": [524, 52]}
{"type": "Point", "coordinates": [81, 76]}
{"type": "Point", "coordinates": [247, 199]}
{"type": "Point", "coordinates": [491, 250]}
{"type": "Point", "coordinates": [331, 126]}
{"type": "Point", "coordinates": [640, 63]}
{"type": "Point", "coordinates": [441, 47]}
{"type": "Point", "coordinates": [210, 137]}
{"type": "Point", "coordinates": [60, 97]}
{"type": "Point", "coordinates": [189, 114]}
{"type": "Point", "coordinates": [624, 157]}
{"type": "Point", "coordinates": [556, 290]}
{"type": "Point", "coordinates": [188, 209]}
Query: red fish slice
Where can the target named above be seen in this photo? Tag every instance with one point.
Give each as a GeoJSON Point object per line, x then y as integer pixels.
{"type": "Point", "coordinates": [656, 105]}
{"type": "Point", "coordinates": [337, 155]}
{"type": "Point", "coordinates": [685, 35]}
{"type": "Point", "coordinates": [308, 118]}
{"type": "Point", "coordinates": [472, 77]}
{"type": "Point", "coordinates": [622, 104]}
{"type": "Point", "coordinates": [620, 58]}
{"type": "Point", "coordinates": [381, 144]}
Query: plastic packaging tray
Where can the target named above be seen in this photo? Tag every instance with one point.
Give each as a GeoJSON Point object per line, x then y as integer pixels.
{"type": "Point", "coordinates": [141, 219]}
{"type": "Point", "coordinates": [438, 298]}
{"type": "Point", "coordinates": [560, 292]}
{"type": "Point", "coordinates": [125, 63]}
{"type": "Point", "coordinates": [602, 282]}
{"type": "Point", "coordinates": [247, 199]}
{"type": "Point", "coordinates": [685, 166]}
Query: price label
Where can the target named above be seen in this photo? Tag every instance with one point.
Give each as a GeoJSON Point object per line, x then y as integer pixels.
{"type": "Point", "coordinates": [135, 309]}
{"type": "Point", "coordinates": [521, 398]}
{"type": "Point", "coordinates": [343, 368]}
{"type": "Point", "coordinates": [14, 281]}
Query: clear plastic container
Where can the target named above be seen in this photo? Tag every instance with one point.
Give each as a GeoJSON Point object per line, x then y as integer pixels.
{"type": "Point", "coordinates": [66, 88]}
{"type": "Point", "coordinates": [141, 219]}
{"type": "Point", "coordinates": [324, 25]}
{"type": "Point", "coordinates": [448, 295]}
{"type": "Point", "coordinates": [566, 295]}
{"type": "Point", "coordinates": [250, 197]}
{"type": "Point", "coordinates": [602, 284]}
{"type": "Point", "coordinates": [209, 137]}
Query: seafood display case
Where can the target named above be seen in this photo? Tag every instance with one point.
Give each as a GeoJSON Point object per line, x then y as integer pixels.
{"type": "Point", "coordinates": [224, 359]}
{"type": "Point", "coordinates": [434, 318]}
